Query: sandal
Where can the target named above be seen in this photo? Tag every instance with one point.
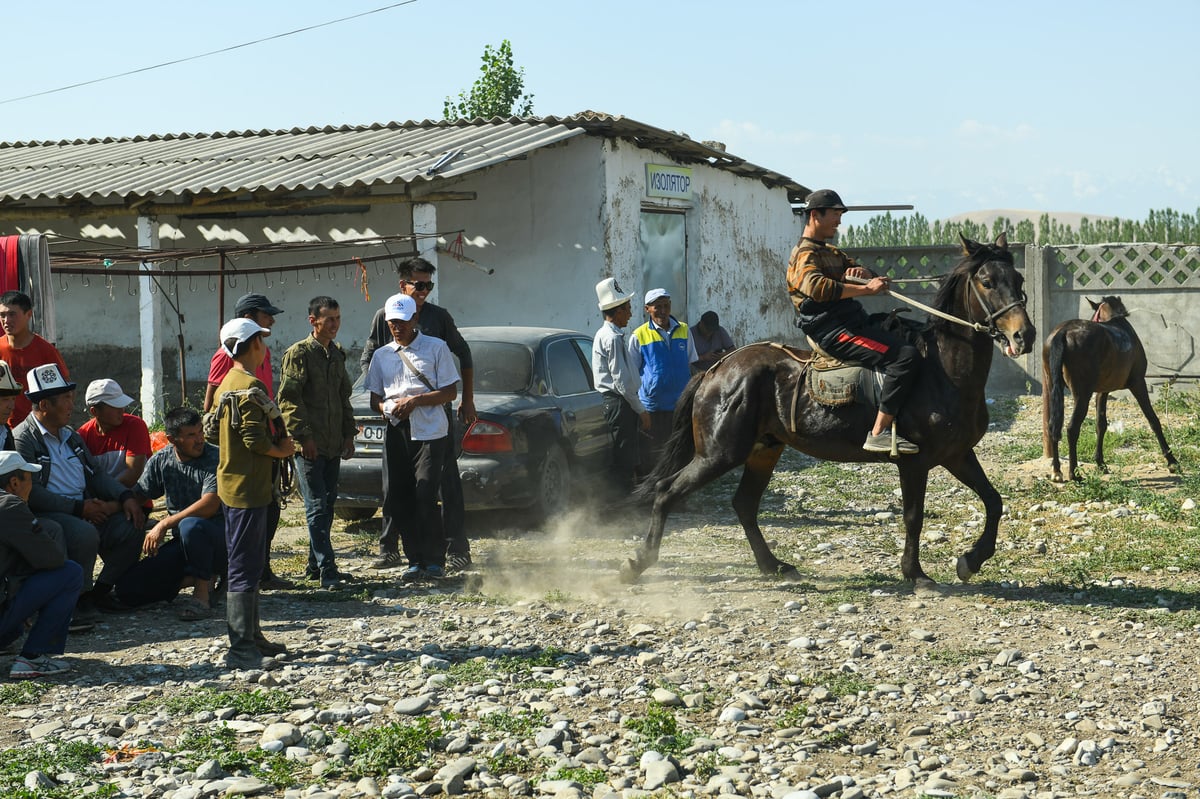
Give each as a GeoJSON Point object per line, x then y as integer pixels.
{"type": "Point", "coordinates": [194, 610]}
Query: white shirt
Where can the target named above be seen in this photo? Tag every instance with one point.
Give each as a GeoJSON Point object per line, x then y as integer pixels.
{"type": "Point", "coordinates": [390, 378]}
{"type": "Point", "coordinates": [611, 370]}
{"type": "Point", "coordinates": [66, 469]}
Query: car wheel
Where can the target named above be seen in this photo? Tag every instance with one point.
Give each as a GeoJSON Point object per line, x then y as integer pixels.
{"type": "Point", "coordinates": [553, 486]}
{"type": "Point", "coordinates": [353, 514]}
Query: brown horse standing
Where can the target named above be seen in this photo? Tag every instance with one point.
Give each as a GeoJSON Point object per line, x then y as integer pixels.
{"type": "Point", "coordinates": [745, 410]}
{"type": "Point", "coordinates": [1099, 357]}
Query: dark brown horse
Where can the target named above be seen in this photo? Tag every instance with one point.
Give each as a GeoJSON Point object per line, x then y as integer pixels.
{"type": "Point", "coordinates": [1096, 357]}
{"type": "Point", "coordinates": [745, 410]}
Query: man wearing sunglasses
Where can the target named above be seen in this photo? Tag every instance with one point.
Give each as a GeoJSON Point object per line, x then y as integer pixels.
{"type": "Point", "coordinates": [416, 280]}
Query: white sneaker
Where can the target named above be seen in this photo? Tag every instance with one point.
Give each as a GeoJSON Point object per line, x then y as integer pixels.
{"type": "Point", "coordinates": [40, 666]}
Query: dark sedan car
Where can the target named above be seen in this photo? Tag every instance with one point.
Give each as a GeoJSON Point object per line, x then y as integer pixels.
{"type": "Point", "coordinates": [541, 424]}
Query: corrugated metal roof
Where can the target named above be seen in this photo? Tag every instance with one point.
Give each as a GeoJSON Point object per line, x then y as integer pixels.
{"type": "Point", "coordinates": [173, 166]}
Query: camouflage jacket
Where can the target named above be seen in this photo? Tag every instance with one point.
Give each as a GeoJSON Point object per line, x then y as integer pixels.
{"type": "Point", "coordinates": [314, 395]}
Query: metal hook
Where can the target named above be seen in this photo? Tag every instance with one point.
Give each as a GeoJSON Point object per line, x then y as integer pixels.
{"type": "Point", "coordinates": [62, 282]}
{"type": "Point", "coordinates": [130, 286]}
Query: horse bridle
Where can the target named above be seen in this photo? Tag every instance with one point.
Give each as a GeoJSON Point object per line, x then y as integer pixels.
{"type": "Point", "coordinates": [989, 325]}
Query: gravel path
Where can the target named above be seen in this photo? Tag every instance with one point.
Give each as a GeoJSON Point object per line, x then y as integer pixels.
{"type": "Point", "coordinates": [539, 673]}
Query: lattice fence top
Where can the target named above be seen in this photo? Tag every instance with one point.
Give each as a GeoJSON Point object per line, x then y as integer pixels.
{"type": "Point", "coordinates": [907, 265]}
{"type": "Point", "coordinates": [1124, 266]}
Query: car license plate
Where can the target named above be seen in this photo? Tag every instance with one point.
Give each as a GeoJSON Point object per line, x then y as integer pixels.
{"type": "Point", "coordinates": [370, 433]}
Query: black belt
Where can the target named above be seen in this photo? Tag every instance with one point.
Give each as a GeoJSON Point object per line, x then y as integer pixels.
{"type": "Point", "coordinates": [611, 395]}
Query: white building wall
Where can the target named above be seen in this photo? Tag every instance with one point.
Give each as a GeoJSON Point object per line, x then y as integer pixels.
{"type": "Point", "coordinates": [739, 235]}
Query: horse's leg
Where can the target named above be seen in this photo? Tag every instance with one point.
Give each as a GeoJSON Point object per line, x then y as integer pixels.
{"type": "Point", "coordinates": [755, 477]}
{"type": "Point", "coordinates": [1101, 429]}
{"type": "Point", "coordinates": [913, 482]}
{"type": "Point", "coordinates": [1142, 395]}
{"type": "Point", "coordinates": [971, 474]}
{"type": "Point", "coordinates": [699, 472]}
{"type": "Point", "coordinates": [1078, 414]}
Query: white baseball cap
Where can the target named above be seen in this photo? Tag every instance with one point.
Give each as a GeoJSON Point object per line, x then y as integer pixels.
{"type": "Point", "coordinates": [400, 306]}
{"type": "Point", "coordinates": [106, 391]}
{"type": "Point", "coordinates": [12, 461]}
{"type": "Point", "coordinates": [656, 294]}
{"type": "Point", "coordinates": [242, 330]}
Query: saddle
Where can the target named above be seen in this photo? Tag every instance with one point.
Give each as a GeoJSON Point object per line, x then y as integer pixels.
{"type": "Point", "coordinates": [833, 382]}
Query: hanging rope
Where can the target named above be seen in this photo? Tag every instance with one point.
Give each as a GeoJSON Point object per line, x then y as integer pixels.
{"type": "Point", "coordinates": [363, 279]}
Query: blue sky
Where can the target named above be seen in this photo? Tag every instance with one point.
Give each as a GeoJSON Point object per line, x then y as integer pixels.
{"type": "Point", "coordinates": [1063, 106]}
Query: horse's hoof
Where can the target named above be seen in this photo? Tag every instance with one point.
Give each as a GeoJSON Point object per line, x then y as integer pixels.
{"type": "Point", "coordinates": [1056, 477]}
{"type": "Point", "coordinates": [1173, 468]}
{"type": "Point", "coordinates": [788, 574]}
{"type": "Point", "coordinates": [963, 569]}
{"type": "Point", "coordinates": [925, 586]}
{"type": "Point", "coordinates": [630, 572]}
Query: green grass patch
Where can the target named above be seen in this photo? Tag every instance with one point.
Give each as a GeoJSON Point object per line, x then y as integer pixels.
{"type": "Point", "coordinates": [587, 777]}
{"type": "Point", "coordinates": [399, 746]}
{"type": "Point", "coordinates": [199, 744]}
{"type": "Point", "coordinates": [661, 731]}
{"type": "Point", "coordinates": [518, 725]}
{"type": "Point", "coordinates": [53, 757]}
{"type": "Point", "coordinates": [25, 692]}
{"type": "Point", "coordinates": [251, 703]}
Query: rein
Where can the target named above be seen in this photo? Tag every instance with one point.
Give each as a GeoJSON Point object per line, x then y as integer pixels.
{"type": "Point", "coordinates": [979, 327]}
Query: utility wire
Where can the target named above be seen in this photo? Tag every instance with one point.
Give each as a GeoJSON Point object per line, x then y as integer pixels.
{"type": "Point", "coordinates": [206, 55]}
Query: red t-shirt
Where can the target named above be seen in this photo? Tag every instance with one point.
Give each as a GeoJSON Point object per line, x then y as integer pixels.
{"type": "Point", "coordinates": [221, 364]}
{"type": "Point", "coordinates": [109, 448]}
{"type": "Point", "coordinates": [38, 353]}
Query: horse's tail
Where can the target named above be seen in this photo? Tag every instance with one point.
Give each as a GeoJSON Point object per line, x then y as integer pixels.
{"type": "Point", "coordinates": [680, 447]}
{"type": "Point", "coordinates": [1052, 395]}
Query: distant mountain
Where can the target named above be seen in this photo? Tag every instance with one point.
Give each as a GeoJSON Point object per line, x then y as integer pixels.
{"type": "Point", "coordinates": [1015, 215]}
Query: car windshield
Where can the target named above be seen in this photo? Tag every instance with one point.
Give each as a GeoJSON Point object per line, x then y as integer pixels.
{"type": "Point", "coordinates": [501, 367]}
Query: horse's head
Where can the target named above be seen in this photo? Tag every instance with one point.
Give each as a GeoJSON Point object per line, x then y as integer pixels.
{"type": "Point", "coordinates": [990, 291]}
{"type": "Point", "coordinates": [1107, 309]}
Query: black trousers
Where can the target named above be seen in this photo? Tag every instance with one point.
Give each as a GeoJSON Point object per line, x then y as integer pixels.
{"type": "Point", "coordinates": [875, 347]}
{"type": "Point", "coordinates": [453, 504]}
{"type": "Point", "coordinates": [412, 476]}
{"type": "Point", "coordinates": [623, 429]}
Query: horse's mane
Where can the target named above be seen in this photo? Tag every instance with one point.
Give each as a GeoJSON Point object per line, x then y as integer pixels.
{"type": "Point", "coordinates": [964, 270]}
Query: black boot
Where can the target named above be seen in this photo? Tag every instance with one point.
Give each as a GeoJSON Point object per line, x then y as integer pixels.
{"type": "Point", "coordinates": [266, 647]}
{"type": "Point", "coordinates": [242, 618]}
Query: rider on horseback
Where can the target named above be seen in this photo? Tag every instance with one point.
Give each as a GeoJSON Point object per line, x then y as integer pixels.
{"type": "Point", "coordinates": [836, 322]}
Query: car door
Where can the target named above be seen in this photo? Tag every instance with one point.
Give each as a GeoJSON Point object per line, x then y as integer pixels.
{"type": "Point", "coordinates": [582, 406]}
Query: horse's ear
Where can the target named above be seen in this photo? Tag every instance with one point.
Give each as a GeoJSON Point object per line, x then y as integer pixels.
{"type": "Point", "coordinates": [969, 247]}
{"type": "Point", "coordinates": [1095, 305]}
{"type": "Point", "coordinates": [1002, 241]}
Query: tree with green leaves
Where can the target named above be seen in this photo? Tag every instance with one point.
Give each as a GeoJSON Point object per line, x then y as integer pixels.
{"type": "Point", "coordinates": [1165, 226]}
{"type": "Point", "coordinates": [496, 93]}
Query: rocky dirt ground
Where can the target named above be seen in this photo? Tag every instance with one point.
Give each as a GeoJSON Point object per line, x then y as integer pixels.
{"type": "Point", "coordinates": [1067, 668]}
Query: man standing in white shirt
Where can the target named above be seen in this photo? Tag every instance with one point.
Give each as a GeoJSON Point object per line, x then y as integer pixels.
{"type": "Point", "coordinates": [410, 379]}
{"type": "Point", "coordinates": [618, 381]}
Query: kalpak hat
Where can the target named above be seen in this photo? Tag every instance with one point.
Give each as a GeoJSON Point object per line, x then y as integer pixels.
{"type": "Point", "coordinates": [399, 307]}
{"type": "Point", "coordinates": [609, 295]}
{"type": "Point", "coordinates": [106, 391]}
{"type": "Point", "coordinates": [46, 381]}
{"type": "Point", "coordinates": [13, 462]}
{"type": "Point", "coordinates": [240, 329]}
{"type": "Point", "coordinates": [8, 382]}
